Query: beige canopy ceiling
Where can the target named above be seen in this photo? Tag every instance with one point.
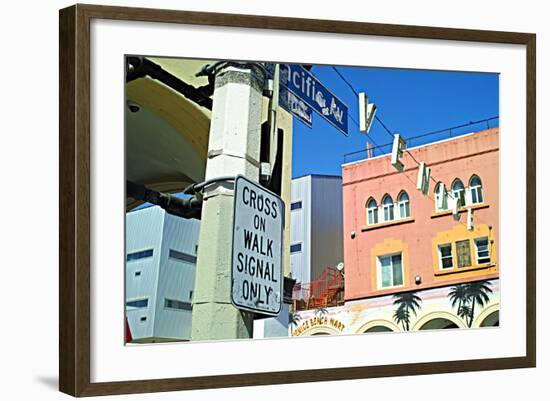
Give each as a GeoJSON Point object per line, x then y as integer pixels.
{"type": "Point", "coordinates": [167, 138]}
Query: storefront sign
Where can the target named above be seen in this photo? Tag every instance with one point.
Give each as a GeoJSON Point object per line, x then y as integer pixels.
{"type": "Point", "coordinates": [318, 321]}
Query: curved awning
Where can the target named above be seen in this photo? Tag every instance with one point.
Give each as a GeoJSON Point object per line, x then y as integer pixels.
{"type": "Point", "coordinates": [167, 134]}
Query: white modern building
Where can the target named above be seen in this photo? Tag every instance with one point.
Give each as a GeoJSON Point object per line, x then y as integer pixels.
{"type": "Point", "coordinates": [315, 225]}
{"type": "Point", "coordinates": [161, 254]}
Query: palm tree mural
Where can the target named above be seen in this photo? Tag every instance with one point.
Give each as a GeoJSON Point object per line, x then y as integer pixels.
{"type": "Point", "coordinates": [294, 319]}
{"type": "Point", "coordinates": [401, 316]}
{"type": "Point", "coordinates": [467, 296]}
{"type": "Point", "coordinates": [407, 303]}
{"type": "Point", "coordinates": [478, 293]}
{"type": "Point", "coordinates": [321, 311]}
{"type": "Point", "coordinates": [458, 295]}
{"type": "Point", "coordinates": [464, 312]}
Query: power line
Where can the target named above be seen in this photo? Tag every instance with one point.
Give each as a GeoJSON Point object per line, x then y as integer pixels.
{"type": "Point", "coordinates": [485, 120]}
{"type": "Point", "coordinates": [370, 137]}
{"type": "Point", "coordinates": [345, 80]}
{"type": "Point", "coordinates": [431, 133]}
{"type": "Point", "coordinates": [389, 132]}
{"type": "Point", "coordinates": [383, 125]}
{"type": "Point", "coordinates": [406, 150]}
{"type": "Point", "coordinates": [357, 95]}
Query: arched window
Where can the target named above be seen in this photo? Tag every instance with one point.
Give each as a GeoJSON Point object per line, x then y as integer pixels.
{"type": "Point", "coordinates": [440, 196]}
{"type": "Point", "coordinates": [458, 191]}
{"type": "Point", "coordinates": [404, 208]}
{"type": "Point", "coordinates": [372, 212]}
{"type": "Point", "coordinates": [476, 189]}
{"type": "Point", "coordinates": [387, 205]}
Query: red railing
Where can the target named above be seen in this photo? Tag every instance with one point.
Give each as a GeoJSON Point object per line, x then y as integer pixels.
{"type": "Point", "coordinates": [326, 290]}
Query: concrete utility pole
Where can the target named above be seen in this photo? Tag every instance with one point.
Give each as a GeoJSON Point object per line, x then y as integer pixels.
{"type": "Point", "coordinates": [234, 148]}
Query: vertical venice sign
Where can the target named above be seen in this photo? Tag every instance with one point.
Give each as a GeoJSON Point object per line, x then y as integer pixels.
{"type": "Point", "coordinates": [256, 272]}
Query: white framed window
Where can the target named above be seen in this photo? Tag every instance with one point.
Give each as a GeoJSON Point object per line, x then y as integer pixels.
{"type": "Point", "coordinates": [372, 212]}
{"type": "Point", "coordinates": [483, 252]}
{"type": "Point", "coordinates": [440, 197]}
{"type": "Point", "coordinates": [387, 207]}
{"type": "Point", "coordinates": [476, 190]}
{"type": "Point", "coordinates": [404, 205]}
{"type": "Point", "coordinates": [458, 191]}
{"type": "Point", "coordinates": [390, 271]}
{"type": "Point", "coordinates": [445, 256]}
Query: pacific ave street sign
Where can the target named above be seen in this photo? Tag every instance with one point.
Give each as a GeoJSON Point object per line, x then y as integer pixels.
{"type": "Point", "coordinates": [295, 106]}
{"type": "Point", "coordinates": [301, 92]}
{"type": "Point", "coordinates": [256, 269]}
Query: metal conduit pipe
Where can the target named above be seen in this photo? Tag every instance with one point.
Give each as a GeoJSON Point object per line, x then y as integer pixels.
{"type": "Point", "coordinates": [139, 67]}
{"type": "Point", "coordinates": [187, 208]}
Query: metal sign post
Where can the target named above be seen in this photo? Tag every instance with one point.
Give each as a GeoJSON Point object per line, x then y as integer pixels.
{"type": "Point", "coordinates": [256, 272]}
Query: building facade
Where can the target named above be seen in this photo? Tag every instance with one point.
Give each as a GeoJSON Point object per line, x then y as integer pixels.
{"type": "Point", "coordinates": [315, 242]}
{"type": "Point", "coordinates": [315, 225]}
{"type": "Point", "coordinates": [410, 263]}
{"type": "Point", "coordinates": [161, 254]}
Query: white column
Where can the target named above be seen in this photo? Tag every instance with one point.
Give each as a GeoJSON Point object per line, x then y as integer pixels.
{"type": "Point", "coordinates": [234, 148]}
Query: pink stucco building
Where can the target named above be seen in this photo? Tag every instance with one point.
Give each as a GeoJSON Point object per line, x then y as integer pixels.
{"type": "Point", "coordinates": [396, 239]}
{"type": "Point", "coordinates": [409, 263]}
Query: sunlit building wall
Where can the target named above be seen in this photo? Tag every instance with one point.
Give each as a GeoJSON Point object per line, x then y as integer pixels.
{"type": "Point", "coordinates": [161, 254]}
{"type": "Point", "coordinates": [315, 225]}
{"type": "Point", "coordinates": [398, 241]}
{"type": "Point", "coordinates": [406, 241]}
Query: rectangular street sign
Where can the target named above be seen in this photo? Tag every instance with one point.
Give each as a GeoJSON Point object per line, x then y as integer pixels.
{"type": "Point", "coordinates": [257, 258]}
{"type": "Point", "coordinates": [291, 103]}
{"type": "Point", "coordinates": [313, 93]}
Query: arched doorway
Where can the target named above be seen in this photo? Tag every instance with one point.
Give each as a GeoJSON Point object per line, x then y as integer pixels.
{"type": "Point", "coordinates": [439, 324]}
{"type": "Point", "coordinates": [489, 317]}
{"type": "Point", "coordinates": [491, 321]}
{"type": "Point", "coordinates": [378, 329]}
{"type": "Point", "coordinates": [439, 321]}
{"type": "Point", "coordinates": [377, 326]}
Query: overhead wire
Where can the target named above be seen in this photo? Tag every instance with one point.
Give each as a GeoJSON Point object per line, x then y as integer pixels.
{"type": "Point", "coordinates": [389, 132]}
{"type": "Point", "coordinates": [377, 118]}
{"type": "Point", "coordinates": [356, 94]}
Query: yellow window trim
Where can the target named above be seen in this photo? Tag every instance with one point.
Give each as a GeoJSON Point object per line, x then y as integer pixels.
{"type": "Point", "coordinates": [389, 247]}
{"type": "Point", "coordinates": [461, 233]}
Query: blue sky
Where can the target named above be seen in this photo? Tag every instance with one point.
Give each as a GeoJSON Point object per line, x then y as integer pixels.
{"type": "Point", "coordinates": [410, 102]}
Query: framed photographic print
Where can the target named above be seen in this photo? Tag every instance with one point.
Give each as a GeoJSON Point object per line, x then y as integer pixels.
{"type": "Point", "coordinates": [269, 188]}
